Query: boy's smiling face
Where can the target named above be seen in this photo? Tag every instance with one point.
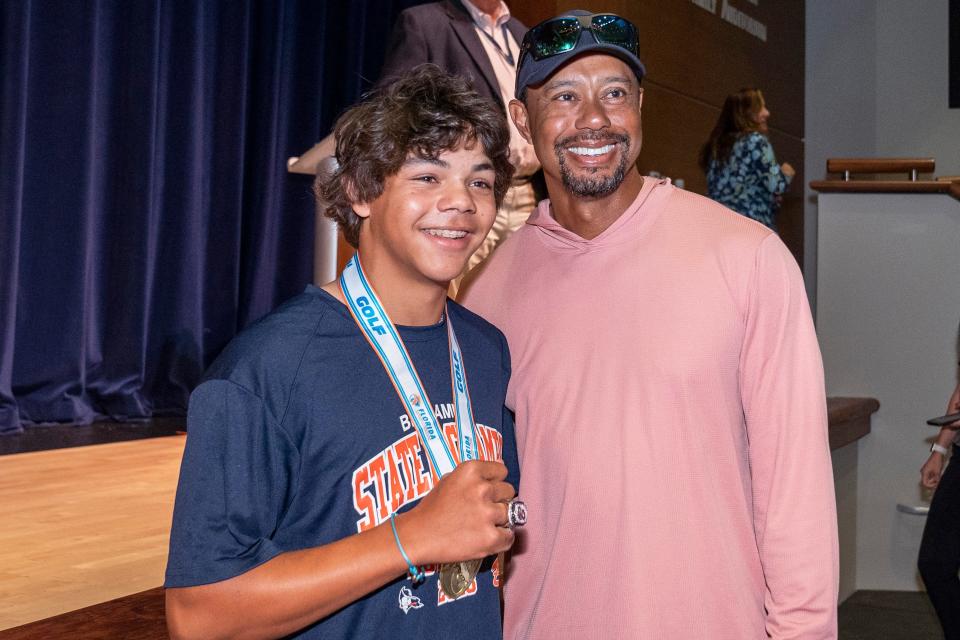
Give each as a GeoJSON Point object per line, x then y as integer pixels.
{"type": "Point", "coordinates": [431, 216]}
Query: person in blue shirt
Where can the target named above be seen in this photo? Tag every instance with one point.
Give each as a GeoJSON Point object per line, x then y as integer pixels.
{"type": "Point", "coordinates": [742, 171]}
{"type": "Point", "coordinates": [309, 504]}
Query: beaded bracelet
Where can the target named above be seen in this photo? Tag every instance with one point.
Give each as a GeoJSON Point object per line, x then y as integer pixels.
{"type": "Point", "coordinates": [416, 573]}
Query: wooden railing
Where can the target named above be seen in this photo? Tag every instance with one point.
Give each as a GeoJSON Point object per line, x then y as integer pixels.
{"type": "Point", "coordinates": [912, 167]}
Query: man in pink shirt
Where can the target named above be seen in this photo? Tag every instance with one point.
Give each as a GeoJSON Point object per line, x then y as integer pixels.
{"type": "Point", "coordinates": [667, 383]}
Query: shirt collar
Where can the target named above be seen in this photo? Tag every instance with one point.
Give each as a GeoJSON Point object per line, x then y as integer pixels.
{"type": "Point", "coordinates": [483, 20]}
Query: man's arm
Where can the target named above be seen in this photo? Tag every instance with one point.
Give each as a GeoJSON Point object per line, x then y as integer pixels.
{"type": "Point", "coordinates": [784, 405]}
{"type": "Point", "coordinates": [458, 519]}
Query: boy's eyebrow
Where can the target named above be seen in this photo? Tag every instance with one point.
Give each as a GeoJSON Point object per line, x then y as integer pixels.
{"type": "Point", "coordinates": [414, 160]}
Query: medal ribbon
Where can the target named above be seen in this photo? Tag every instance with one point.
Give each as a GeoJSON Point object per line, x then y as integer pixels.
{"type": "Point", "coordinates": [382, 335]}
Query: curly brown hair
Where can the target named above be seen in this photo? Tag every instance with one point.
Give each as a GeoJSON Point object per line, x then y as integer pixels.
{"type": "Point", "coordinates": [425, 112]}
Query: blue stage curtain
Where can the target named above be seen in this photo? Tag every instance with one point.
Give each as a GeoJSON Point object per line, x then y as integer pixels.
{"type": "Point", "coordinates": [146, 215]}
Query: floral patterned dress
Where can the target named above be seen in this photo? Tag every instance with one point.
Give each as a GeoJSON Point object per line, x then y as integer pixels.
{"type": "Point", "coordinates": [750, 181]}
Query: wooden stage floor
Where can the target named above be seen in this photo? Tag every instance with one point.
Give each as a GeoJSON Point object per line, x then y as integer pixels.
{"type": "Point", "coordinates": [84, 525]}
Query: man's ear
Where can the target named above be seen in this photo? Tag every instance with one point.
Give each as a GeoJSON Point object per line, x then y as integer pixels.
{"type": "Point", "coordinates": [518, 113]}
{"type": "Point", "coordinates": [362, 209]}
{"type": "Point", "coordinates": [639, 98]}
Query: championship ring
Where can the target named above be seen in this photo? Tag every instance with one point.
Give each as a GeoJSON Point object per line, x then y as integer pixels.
{"type": "Point", "coordinates": [455, 577]}
{"type": "Point", "coordinates": [516, 513]}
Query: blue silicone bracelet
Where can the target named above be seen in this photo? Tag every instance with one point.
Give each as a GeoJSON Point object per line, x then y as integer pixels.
{"type": "Point", "coordinates": [416, 573]}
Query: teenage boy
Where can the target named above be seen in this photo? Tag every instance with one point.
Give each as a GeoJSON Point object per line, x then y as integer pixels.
{"type": "Point", "coordinates": [309, 502]}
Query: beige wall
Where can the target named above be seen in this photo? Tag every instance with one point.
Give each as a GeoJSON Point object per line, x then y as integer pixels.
{"type": "Point", "coordinates": [887, 317]}
{"type": "Point", "coordinates": [877, 82]}
{"type": "Point", "coordinates": [913, 113]}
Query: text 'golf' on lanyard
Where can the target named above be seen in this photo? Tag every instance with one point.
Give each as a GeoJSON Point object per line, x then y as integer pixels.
{"type": "Point", "coordinates": [382, 335]}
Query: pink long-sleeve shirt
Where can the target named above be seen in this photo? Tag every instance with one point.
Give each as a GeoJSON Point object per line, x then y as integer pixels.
{"type": "Point", "coordinates": [671, 425]}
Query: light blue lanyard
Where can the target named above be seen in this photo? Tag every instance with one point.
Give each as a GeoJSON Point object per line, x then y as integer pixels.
{"type": "Point", "coordinates": [382, 335]}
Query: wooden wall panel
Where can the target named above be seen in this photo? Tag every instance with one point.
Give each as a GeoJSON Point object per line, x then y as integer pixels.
{"type": "Point", "coordinates": [673, 125]}
{"type": "Point", "coordinates": [694, 58]}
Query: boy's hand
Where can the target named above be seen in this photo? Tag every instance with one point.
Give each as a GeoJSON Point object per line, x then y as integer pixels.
{"type": "Point", "coordinates": [462, 518]}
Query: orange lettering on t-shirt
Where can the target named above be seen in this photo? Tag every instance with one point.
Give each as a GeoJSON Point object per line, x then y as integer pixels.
{"type": "Point", "coordinates": [377, 468]}
{"type": "Point", "coordinates": [404, 449]}
{"type": "Point", "coordinates": [394, 469]}
{"type": "Point", "coordinates": [401, 474]}
{"type": "Point", "coordinates": [362, 501]}
{"type": "Point", "coordinates": [421, 476]}
{"type": "Point", "coordinates": [492, 442]}
{"type": "Point", "coordinates": [450, 434]}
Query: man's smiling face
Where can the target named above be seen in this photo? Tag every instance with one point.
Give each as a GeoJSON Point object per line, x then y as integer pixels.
{"type": "Point", "coordinates": [584, 123]}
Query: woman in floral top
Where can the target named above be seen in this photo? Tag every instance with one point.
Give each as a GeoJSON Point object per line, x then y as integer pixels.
{"type": "Point", "coordinates": [742, 172]}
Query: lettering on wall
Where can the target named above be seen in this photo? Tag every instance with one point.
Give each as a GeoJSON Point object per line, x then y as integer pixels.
{"type": "Point", "coordinates": [736, 17]}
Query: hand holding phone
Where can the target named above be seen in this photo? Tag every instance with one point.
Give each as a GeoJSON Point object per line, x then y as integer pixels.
{"type": "Point", "coordinates": [942, 421]}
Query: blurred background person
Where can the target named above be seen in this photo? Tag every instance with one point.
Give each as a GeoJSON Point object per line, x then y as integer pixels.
{"type": "Point", "coordinates": [939, 561]}
{"type": "Point", "coordinates": [742, 170]}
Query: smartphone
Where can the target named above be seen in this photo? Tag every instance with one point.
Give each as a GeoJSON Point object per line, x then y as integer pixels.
{"type": "Point", "coordinates": [941, 421]}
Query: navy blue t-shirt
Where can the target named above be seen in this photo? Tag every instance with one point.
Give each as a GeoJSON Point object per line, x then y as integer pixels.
{"type": "Point", "coordinates": [296, 438]}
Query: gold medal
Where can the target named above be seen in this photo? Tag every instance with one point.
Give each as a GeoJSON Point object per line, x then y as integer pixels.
{"type": "Point", "coordinates": [455, 577]}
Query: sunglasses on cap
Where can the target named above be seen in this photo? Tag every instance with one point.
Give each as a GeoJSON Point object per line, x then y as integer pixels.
{"type": "Point", "coordinates": [560, 35]}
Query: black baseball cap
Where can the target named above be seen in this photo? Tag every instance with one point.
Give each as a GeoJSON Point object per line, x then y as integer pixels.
{"type": "Point", "coordinates": [554, 42]}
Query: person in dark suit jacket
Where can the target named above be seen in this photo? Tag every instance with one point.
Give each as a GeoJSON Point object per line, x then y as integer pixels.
{"type": "Point", "coordinates": [444, 33]}
{"type": "Point", "coordinates": [476, 39]}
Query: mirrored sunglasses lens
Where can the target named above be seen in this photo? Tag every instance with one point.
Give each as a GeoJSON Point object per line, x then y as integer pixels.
{"type": "Point", "coordinates": [615, 30]}
{"type": "Point", "coordinates": [555, 37]}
